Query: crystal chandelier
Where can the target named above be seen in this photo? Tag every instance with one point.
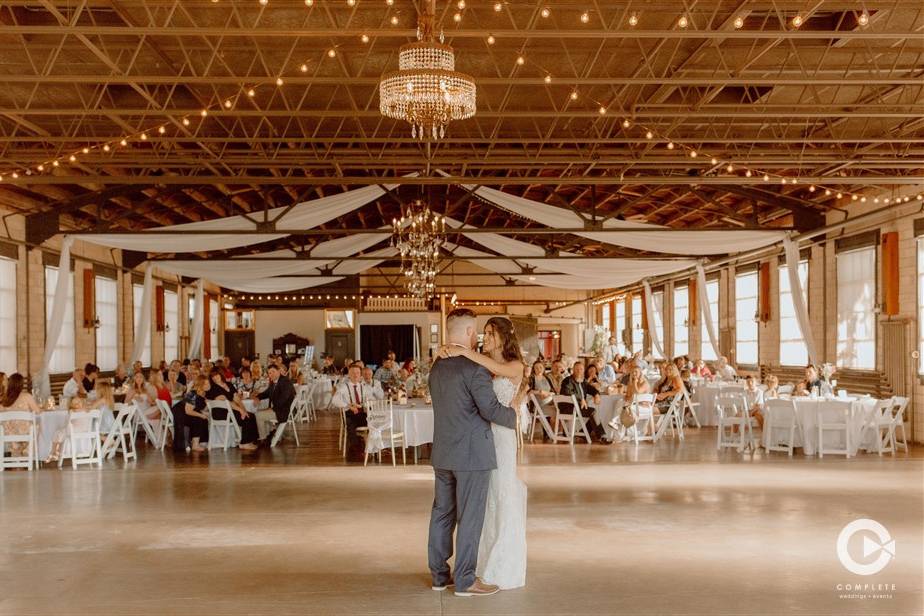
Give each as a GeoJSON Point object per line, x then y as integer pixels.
{"type": "Point", "coordinates": [426, 90]}
{"type": "Point", "coordinates": [418, 237]}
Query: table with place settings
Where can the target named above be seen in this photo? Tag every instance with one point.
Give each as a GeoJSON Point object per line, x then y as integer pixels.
{"type": "Point", "coordinates": [415, 420]}
{"type": "Point", "coordinates": [706, 395]}
{"type": "Point", "coordinates": [859, 410]}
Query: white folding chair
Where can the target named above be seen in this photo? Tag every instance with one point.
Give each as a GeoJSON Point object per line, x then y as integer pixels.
{"type": "Point", "coordinates": [292, 421]}
{"type": "Point", "coordinates": [539, 416]}
{"type": "Point", "coordinates": [642, 409]}
{"type": "Point", "coordinates": [166, 423]}
{"type": "Point", "coordinates": [571, 422]}
{"type": "Point", "coordinates": [734, 422]}
{"type": "Point", "coordinates": [878, 428]}
{"type": "Point", "coordinates": [899, 404]}
{"type": "Point", "coordinates": [381, 429]}
{"type": "Point", "coordinates": [30, 459]}
{"type": "Point", "coordinates": [780, 423]}
{"type": "Point", "coordinates": [689, 408]}
{"type": "Point", "coordinates": [304, 398]}
{"type": "Point", "coordinates": [785, 390]}
{"type": "Point", "coordinates": [833, 418]}
{"type": "Point", "coordinates": [120, 436]}
{"type": "Point", "coordinates": [151, 432]}
{"type": "Point", "coordinates": [80, 436]}
{"type": "Point", "coordinates": [342, 439]}
{"type": "Point", "coordinates": [227, 430]}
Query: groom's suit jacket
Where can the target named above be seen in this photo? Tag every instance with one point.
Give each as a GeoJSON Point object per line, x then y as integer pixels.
{"type": "Point", "coordinates": [464, 407]}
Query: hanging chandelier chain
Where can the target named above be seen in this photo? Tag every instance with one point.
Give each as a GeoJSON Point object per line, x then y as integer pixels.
{"type": "Point", "coordinates": [419, 236]}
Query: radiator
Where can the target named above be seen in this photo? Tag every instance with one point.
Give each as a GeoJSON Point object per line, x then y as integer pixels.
{"type": "Point", "coordinates": [896, 359]}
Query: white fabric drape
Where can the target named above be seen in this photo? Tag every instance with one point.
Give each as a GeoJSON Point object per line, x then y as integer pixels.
{"type": "Point", "coordinates": [277, 284]}
{"type": "Point", "coordinates": [143, 326]}
{"type": "Point", "coordinates": [305, 215]}
{"type": "Point", "coordinates": [56, 318]}
{"type": "Point", "coordinates": [798, 298]}
{"type": "Point", "coordinates": [198, 322]}
{"type": "Point", "coordinates": [705, 310]}
{"type": "Point", "coordinates": [658, 239]}
{"type": "Point", "coordinates": [650, 310]}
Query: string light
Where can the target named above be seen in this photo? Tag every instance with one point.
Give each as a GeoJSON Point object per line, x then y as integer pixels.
{"type": "Point", "coordinates": [364, 38]}
{"type": "Point", "coordinates": [394, 20]}
{"type": "Point", "coordinates": [460, 5]}
{"type": "Point", "coordinates": [797, 21]}
{"type": "Point", "coordinates": [626, 123]}
{"type": "Point", "coordinates": [683, 22]}
{"type": "Point", "coordinates": [279, 81]}
{"type": "Point", "coordinates": [331, 53]}
{"type": "Point", "coordinates": [633, 20]}
{"type": "Point", "coordinates": [545, 12]}
{"type": "Point", "coordinates": [309, 3]}
{"type": "Point", "coordinates": [649, 135]}
{"type": "Point", "coordinates": [264, 2]}
{"type": "Point", "coordinates": [739, 22]}
{"type": "Point", "coordinates": [457, 17]}
{"type": "Point", "coordinates": [490, 39]}
{"type": "Point", "coordinates": [585, 17]}
{"type": "Point", "coordinates": [303, 68]}
{"type": "Point", "coordinates": [574, 95]}
{"type": "Point", "coordinates": [498, 7]}
{"type": "Point", "coordinates": [714, 160]}
{"type": "Point", "coordinates": [692, 153]}
{"type": "Point", "coordinates": [547, 79]}
{"type": "Point", "coordinates": [863, 19]}
{"type": "Point", "coordinates": [602, 110]}
{"type": "Point", "coordinates": [351, 2]}
{"type": "Point", "coordinates": [670, 145]}
{"type": "Point", "coordinates": [185, 122]}
{"type": "Point", "coordinates": [521, 60]}
{"type": "Point", "coordinates": [729, 167]}
{"type": "Point", "coordinates": [160, 129]}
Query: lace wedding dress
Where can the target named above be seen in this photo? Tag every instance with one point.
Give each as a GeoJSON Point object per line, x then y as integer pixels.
{"type": "Point", "coordinates": [502, 551]}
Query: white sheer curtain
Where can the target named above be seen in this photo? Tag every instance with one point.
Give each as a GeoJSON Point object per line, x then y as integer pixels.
{"type": "Point", "coordinates": [798, 298]}
{"type": "Point", "coordinates": [650, 311]}
{"type": "Point", "coordinates": [195, 336]}
{"type": "Point", "coordinates": [55, 317]}
{"type": "Point", "coordinates": [143, 318]}
{"type": "Point", "coordinates": [705, 309]}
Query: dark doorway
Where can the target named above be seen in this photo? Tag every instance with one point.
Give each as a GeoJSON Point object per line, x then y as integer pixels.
{"type": "Point", "coordinates": [238, 344]}
{"type": "Point", "coordinates": [340, 345]}
{"type": "Point", "coordinates": [376, 340]}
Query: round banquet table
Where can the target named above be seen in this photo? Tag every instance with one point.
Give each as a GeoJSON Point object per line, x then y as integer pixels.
{"type": "Point", "coordinates": [606, 411]}
{"type": "Point", "coordinates": [46, 424]}
{"type": "Point", "coordinates": [860, 410]}
{"type": "Point", "coordinates": [415, 421]}
{"type": "Point", "coordinates": [323, 392]}
{"type": "Point", "coordinates": [706, 395]}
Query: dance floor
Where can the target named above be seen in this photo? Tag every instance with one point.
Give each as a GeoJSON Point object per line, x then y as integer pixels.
{"type": "Point", "coordinates": [670, 529]}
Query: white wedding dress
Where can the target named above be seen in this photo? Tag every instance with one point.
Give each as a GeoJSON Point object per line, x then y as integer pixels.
{"type": "Point", "coordinates": [502, 551]}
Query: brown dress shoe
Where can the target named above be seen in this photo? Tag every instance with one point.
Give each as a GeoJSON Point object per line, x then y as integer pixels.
{"type": "Point", "coordinates": [478, 589]}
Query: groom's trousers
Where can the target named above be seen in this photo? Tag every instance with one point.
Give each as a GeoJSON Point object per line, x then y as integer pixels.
{"type": "Point", "coordinates": [459, 500]}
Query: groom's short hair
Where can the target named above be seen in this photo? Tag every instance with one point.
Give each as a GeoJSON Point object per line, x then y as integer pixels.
{"type": "Point", "coordinates": [459, 318]}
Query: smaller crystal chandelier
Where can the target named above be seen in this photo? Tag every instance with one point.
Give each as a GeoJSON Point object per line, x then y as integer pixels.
{"type": "Point", "coordinates": [418, 237]}
{"type": "Point", "coordinates": [426, 91]}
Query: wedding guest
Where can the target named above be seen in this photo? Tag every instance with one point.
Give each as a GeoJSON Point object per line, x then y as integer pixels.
{"type": "Point", "coordinates": [142, 395]}
{"type": "Point", "coordinates": [259, 378]}
{"type": "Point", "coordinates": [539, 384]}
{"type": "Point", "coordinates": [177, 388]}
{"type": "Point", "coordinates": [245, 383]}
{"type": "Point", "coordinates": [773, 387]}
{"type": "Point", "coordinates": [16, 398]}
{"type": "Point", "coordinates": [687, 363]}
{"type": "Point", "coordinates": [192, 412]}
{"type": "Point", "coordinates": [754, 397]}
{"type": "Point", "coordinates": [280, 393]}
{"type": "Point", "coordinates": [160, 387]}
{"type": "Point", "coordinates": [194, 373]}
{"type": "Point", "coordinates": [801, 389]}
{"type": "Point", "coordinates": [375, 386]}
{"type": "Point", "coordinates": [226, 370]}
{"type": "Point", "coordinates": [137, 367]}
{"type": "Point", "coordinates": [76, 417]}
{"type": "Point", "coordinates": [637, 384]}
{"type": "Point", "coordinates": [575, 385]}
{"type": "Point", "coordinates": [686, 377]}
{"type": "Point", "coordinates": [73, 388]}
{"type": "Point", "coordinates": [349, 398]}
{"type": "Point", "coordinates": [386, 373]}
{"type": "Point", "coordinates": [591, 377]}
{"type": "Point", "coordinates": [91, 373]}
{"type": "Point", "coordinates": [295, 374]}
{"type": "Point", "coordinates": [724, 371]}
{"type": "Point", "coordinates": [220, 389]}
{"type": "Point", "coordinates": [105, 402]}
{"type": "Point", "coordinates": [812, 380]}
{"type": "Point", "coordinates": [668, 388]}
{"type": "Point", "coordinates": [328, 366]}
{"type": "Point", "coordinates": [557, 375]}
{"type": "Point", "coordinates": [609, 372]}
{"type": "Point", "coordinates": [245, 363]}
{"type": "Point", "coordinates": [610, 350]}
{"type": "Point", "coordinates": [701, 370]}
{"type": "Point", "coordinates": [410, 365]}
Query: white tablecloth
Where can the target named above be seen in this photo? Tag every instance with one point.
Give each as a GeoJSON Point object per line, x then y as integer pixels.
{"type": "Point", "coordinates": [415, 421]}
{"type": "Point", "coordinates": [323, 392]}
{"type": "Point", "coordinates": [608, 409]}
{"type": "Point", "coordinates": [706, 395]}
{"type": "Point", "coordinates": [807, 410]}
{"type": "Point", "coordinates": [46, 424]}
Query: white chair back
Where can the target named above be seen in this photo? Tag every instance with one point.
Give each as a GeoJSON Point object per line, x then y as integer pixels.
{"type": "Point", "coordinates": [780, 421]}
{"type": "Point", "coordinates": [570, 422]}
{"type": "Point", "coordinates": [120, 436]}
{"type": "Point", "coordinates": [82, 443]}
{"type": "Point", "coordinates": [166, 423]}
{"type": "Point", "coordinates": [899, 404]}
{"type": "Point", "coordinates": [226, 428]}
{"type": "Point", "coordinates": [380, 428]}
{"type": "Point", "coordinates": [29, 459]}
{"type": "Point", "coordinates": [833, 416]}
{"type": "Point", "coordinates": [539, 416]}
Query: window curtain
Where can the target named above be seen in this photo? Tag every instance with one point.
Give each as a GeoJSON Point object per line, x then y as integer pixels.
{"type": "Point", "coordinates": [650, 310]}
{"type": "Point", "coordinates": [195, 336]}
{"type": "Point", "coordinates": [798, 298]}
{"type": "Point", "coordinates": [55, 322]}
{"type": "Point", "coordinates": [143, 326]}
{"type": "Point", "coordinates": [705, 309]}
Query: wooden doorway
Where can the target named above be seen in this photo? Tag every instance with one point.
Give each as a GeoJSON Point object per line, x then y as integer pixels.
{"type": "Point", "coordinates": [239, 343]}
{"type": "Point", "coordinates": [340, 345]}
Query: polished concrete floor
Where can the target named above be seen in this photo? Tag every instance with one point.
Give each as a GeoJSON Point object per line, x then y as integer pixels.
{"type": "Point", "coordinates": [666, 529]}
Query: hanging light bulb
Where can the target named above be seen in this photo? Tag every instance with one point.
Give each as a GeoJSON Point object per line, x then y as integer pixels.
{"type": "Point", "coordinates": [863, 19]}
{"type": "Point", "coordinates": [309, 3]}
{"type": "Point", "coordinates": [714, 160]}
{"type": "Point", "coordinates": [839, 195]}
{"type": "Point", "coordinates": [633, 20]}
{"type": "Point", "coordinates": [602, 110]}
{"type": "Point", "coordinates": [204, 112]}
{"type": "Point", "coordinates": [144, 136]}
{"type": "Point", "coordinates": [729, 167]}
{"type": "Point", "coordinates": [122, 143]}
{"type": "Point", "coordinates": [185, 121]}
{"type": "Point", "coordinates": [85, 150]}
{"type": "Point", "coordinates": [670, 145]}
{"type": "Point", "coordinates": [739, 22]}
{"type": "Point", "coordinates": [748, 173]}
{"type": "Point", "coordinates": [331, 52]}
{"type": "Point", "coordinates": [279, 81]}
{"type": "Point", "coordinates": [364, 38]}
{"type": "Point", "coordinates": [460, 5]}
{"type": "Point", "coordinates": [303, 68]}
{"type": "Point", "coordinates": [766, 178]}
{"type": "Point", "coordinates": [521, 60]}
{"type": "Point", "coordinates": [228, 104]}
{"type": "Point", "coordinates": [54, 163]}
{"type": "Point", "coordinates": [498, 7]}
{"type": "Point", "coordinates": [585, 17]}
{"type": "Point", "coordinates": [390, 2]}
{"type": "Point", "coordinates": [797, 21]}
{"type": "Point", "coordinates": [649, 135]}
{"type": "Point", "coordinates": [827, 192]}
{"type": "Point", "coordinates": [626, 123]}
{"type": "Point", "coordinates": [683, 22]}
{"type": "Point", "coordinates": [692, 153]}
{"type": "Point", "coordinates": [545, 12]}
{"type": "Point", "coordinates": [394, 20]}
{"type": "Point", "coordinates": [42, 167]}
{"type": "Point", "coordinates": [71, 158]}
{"type": "Point", "coordinates": [457, 17]}
{"type": "Point", "coordinates": [351, 2]}
{"type": "Point", "coordinates": [264, 2]}
{"type": "Point", "coordinates": [574, 95]}
{"type": "Point", "coordinates": [547, 79]}
{"type": "Point", "coordinates": [490, 39]}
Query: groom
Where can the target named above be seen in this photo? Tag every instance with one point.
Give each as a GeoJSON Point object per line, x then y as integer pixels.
{"type": "Point", "coordinates": [464, 406]}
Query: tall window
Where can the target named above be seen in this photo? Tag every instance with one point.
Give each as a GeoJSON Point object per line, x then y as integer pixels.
{"type": "Point", "coordinates": [921, 303]}
{"type": "Point", "coordinates": [856, 308]}
{"type": "Point", "coordinates": [107, 311]}
{"type": "Point", "coordinates": [138, 297]}
{"type": "Point", "coordinates": [605, 315]}
{"type": "Point", "coordinates": [638, 334]}
{"type": "Point", "coordinates": [64, 357]}
{"type": "Point", "coordinates": [620, 325]}
{"type": "Point", "coordinates": [712, 294]}
{"type": "Point", "coordinates": [746, 308]}
{"type": "Point", "coordinates": [172, 326]}
{"type": "Point", "coordinates": [8, 360]}
{"type": "Point", "coordinates": [681, 321]}
{"type": "Point", "coordinates": [657, 298]}
{"type": "Point", "coordinates": [213, 327]}
{"type": "Point", "coordinates": [793, 351]}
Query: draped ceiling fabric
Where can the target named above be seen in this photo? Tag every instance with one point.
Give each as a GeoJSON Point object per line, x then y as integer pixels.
{"type": "Point", "coordinates": [198, 322]}
{"type": "Point", "coordinates": [797, 293]}
{"type": "Point", "coordinates": [658, 239]}
{"type": "Point", "coordinates": [650, 312]}
{"type": "Point", "coordinates": [305, 215]}
{"type": "Point", "coordinates": [55, 321]}
{"type": "Point", "coordinates": [704, 308]}
{"type": "Point", "coordinates": [143, 326]}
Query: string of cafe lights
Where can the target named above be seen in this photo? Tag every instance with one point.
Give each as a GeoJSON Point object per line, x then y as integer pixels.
{"type": "Point", "coordinates": [651, 135]}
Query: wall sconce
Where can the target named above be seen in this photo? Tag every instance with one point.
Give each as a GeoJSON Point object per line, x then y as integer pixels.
{"type": "Point", "coordinates": [95, 324]}
{"type": "Point", "coordinates": [166, 327]}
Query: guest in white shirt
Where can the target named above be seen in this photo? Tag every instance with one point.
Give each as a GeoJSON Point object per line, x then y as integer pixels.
{"type": "Point", "coordinates": [349, 397]}
{"type": "Point", "coordinates": [74, 387]}
{"type": "Point", "coordinates": [724, 371]}
{"type": "Point", "coordinates": [372, 385]}
{"type": "Point", "coordinates": [755, 400]}
{"type": "Point", "coordinates": [611, 350]}
{"type": "Point", "coordinates": [640, 362]}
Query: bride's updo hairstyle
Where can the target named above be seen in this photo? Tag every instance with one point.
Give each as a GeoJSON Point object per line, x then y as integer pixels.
{"type": "Point", "coordinates": [510, 346]}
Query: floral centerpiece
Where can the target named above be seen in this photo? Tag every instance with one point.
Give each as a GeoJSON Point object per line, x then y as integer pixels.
{"type": "Point", "coordinates": [601, 334]}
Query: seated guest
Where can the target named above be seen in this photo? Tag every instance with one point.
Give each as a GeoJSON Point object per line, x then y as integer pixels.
{"type": "Point", "coordinates": [177, 389]}
{"type": "Point", "coordinates": [557, 375]}
{"type": "Point", "coordinates": [410, 365]}
{"type": "Point", "coordinates": [686, 377]}
{"type": "Point", "coordinates": [295, 374]}
{"type": "Point", "coordinates": [701, 370]}
{"type": "Point", "coordinates": [639, 361]}
{"type": "Point", "coordinates": [668, 388]}
{"type": "Point", "coordinates": [261, 382]}
{"type": "Point", "coordinates": [280, 392]}
{"type": "Point", "coordinates": [142, 395]}
{"type": "Point", "coordinates": [539, 384]}
{"type": "Point", "coordinates": [226, 370]}
{"type": "Point", "coordinates": [220, 389]}
{"type": "Point", "coordinates": [77, 417]}
{"type": "Point", "coordinates": [194, 373]}
{"type": "Point", "coordinates": [105, 402]}
{"type": "Point", "coordinates": [17, 398]}
{"type": "Point", "coordinates": [386, 374]}
{"type": "Point", "coordinates": [73, 388]}
{"type": "Point", "coordinates": [180, 374]}
{"type": "Point", "coordinates": [801, 389]}
{"type": "Point", "coordinates": [91, 372]}
{"type": "Point", "coordinates": [724, 371]}
{"type": "Point", "coordinates": [755, 399]}
{"type": "Point", "coordinates": [812, 381]}
{"type": "Point", "coordinates": [245, 363]}
{"type": "Point", "coordinates": [687, 362]}
{"type": "Point", "coordinates": [375, 386]}
{"type": "Point", "coordinates": [773, 387]}
{"type": "Point", "coordinates": [328, 366]}
{"type": "Point", "coordinates": [349, 398]}
{"type": "Point", "coordinates": [191, 412]}
{"type": "Point", "coordinates": [163, 392]}
{"type": "Point", "coordinates": [574, 385]}
{"type": "Point", "coordinates": [245, 383]}
{"type": "Point", "coordinates": [638, 384]}
{"type": "Point", "coordinates": [610, 372]}
{"type": "Point", "coordinates": [137, 367]}
{"type": "Point", "coordinates": [591, 377]}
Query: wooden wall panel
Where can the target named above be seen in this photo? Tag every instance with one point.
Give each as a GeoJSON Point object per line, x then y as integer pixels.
{"type": "Point", "coordinates": [890, 281]}
{"type": "Point", "coordinates": [764, 292]}
{"type": "Point", "coordinates": [89, 297]}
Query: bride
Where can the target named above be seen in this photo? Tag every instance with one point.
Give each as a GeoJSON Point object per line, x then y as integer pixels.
{"type": "Point", "coordinates": [502, 551]}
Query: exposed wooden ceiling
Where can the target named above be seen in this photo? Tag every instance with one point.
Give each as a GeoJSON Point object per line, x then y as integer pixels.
{"type": "Point", "coordinates": [831, 101]}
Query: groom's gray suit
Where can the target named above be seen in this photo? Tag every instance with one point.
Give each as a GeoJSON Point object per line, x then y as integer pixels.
{"type": "Point", "coordinates": [464, 406]}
